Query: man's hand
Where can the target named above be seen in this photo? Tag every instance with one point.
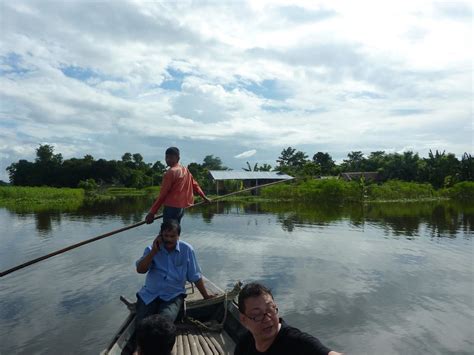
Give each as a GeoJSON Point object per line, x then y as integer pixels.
{"type": "Point", "coordinates": [150, 217]}
{"type": "Point", "coordinates": [214, 295]}
{"type": "Point", "coordinates": [206, 199]}
{"type": "Point", "coordinates": [155, 248]}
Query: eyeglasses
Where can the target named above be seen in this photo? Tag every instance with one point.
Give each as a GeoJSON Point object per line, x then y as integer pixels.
{"type": "Point", "coordinates": [261, 317]}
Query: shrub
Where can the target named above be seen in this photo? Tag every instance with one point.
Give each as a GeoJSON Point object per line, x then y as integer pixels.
{"type": "Point", "coordinates": [462, 191]}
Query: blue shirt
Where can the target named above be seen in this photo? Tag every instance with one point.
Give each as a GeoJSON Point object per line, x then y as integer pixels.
{"type": "Point", "coordinates": [169, 272]}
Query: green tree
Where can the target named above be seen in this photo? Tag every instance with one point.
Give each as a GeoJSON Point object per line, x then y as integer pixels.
{"type": "Point", "coordinates": [311, 169]}
{"type": "Point", "coordinates": [325, 162]}
{"type": "Point", "coordinates": [354, 162]}
{"type": "Point", "coordinates": [45, 154]}
{"type": "Point", "coordinates": [213, 163]}
{"type": "Point", "coordinates": [466, 167]}
{"type": "Point", "coordinates": [376, 161]}
{"type": "Point", "coordinates": [47, 166]}
{"type": "Point", "coordinates": [127, 157]}
{"type": "Point", "coordinates": [88, 184]}
{"type": "Point", "coordinates": [157, 171]}
{"type": "Point", "coordinates": [256, 167]}
{"type": "Point", "coordinates": [291, 161]}
{"type": "Point", "coordinates": [22, 173]}
{"type": "Point", "coordinates": [196, 170]}
{"type": "Point", "coordinates": [265, 167]}
{"type": "Point", "coordinates": [440, 165]}
{"type": "Point", "coordinates": [249, 168]}
{"type": "Point", "coordinates": [401, 166]}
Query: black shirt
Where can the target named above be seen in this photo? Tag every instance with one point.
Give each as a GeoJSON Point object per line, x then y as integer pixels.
{"type": "Point", "coordinates": [288, 341]}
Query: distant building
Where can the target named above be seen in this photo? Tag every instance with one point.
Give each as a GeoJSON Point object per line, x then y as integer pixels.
{"type": "Point", "coordinates": [248, 178]}
{"type": "Point", "coordinates": [356, 176]}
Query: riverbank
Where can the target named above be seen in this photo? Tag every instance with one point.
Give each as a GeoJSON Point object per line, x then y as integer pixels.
{"type": "Point", "coordinates": [26, 198]}
{"type": "Point", "coordinates": [34, 199]}
{"type": "Point", "coordinates": [340, 191]}
{"type": "Point", "coordinates": [323, 191]}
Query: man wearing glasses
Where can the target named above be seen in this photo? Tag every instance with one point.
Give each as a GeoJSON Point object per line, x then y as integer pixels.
{"type": "Point", "coordinates": [269, 334]}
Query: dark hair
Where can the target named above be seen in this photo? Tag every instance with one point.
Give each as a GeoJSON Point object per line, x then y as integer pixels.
{"type": "Point", "coordinates": [253, 289]}
{"type": "Point", "coordinates": [156, 335]}
{"type": "Point", "coordinates": [170, 224]}
{"type": "Point", "coordinates": [172, 151]}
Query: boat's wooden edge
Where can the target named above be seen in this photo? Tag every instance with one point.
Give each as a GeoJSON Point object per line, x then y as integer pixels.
{"type": "Point", "coordinates": [121, 337]}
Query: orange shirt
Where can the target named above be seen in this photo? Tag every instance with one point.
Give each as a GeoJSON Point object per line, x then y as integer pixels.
{"type": "Point", "coordinates": [177, 189]}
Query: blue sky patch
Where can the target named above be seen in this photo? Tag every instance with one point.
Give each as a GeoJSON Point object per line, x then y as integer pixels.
{"type": "Point", "coordinates": [13, 61]}
{"type": "Point", "coordinates": [8, 123]}
{"type": "Point", "coordinates": [174, 83]}
{"type": "Point", "coordinates": [78, 73]}
{"type": "Point", "coordinates": [269, 89]}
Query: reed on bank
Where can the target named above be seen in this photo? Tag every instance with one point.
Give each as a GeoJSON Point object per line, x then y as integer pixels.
{"type": "Point", "coordinates": [335, 190]}
{"type": "Point", "coordinates": [29, 198]}
{"type": "Point", "coordinates": [330, 190]}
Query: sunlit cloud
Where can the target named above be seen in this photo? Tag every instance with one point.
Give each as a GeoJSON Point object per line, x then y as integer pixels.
{"type": "Point", "coordinates": [247, 154]}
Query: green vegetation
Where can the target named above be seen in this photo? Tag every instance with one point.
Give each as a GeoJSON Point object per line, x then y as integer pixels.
{"type": "Point", "coordinates": [440, 169]}
{"type": "Point", "coordinates": [315, 190]}
{"type": "Point", "coordinates": [462, 191]}
{"type": "Point", "coordinates": [50, 169]}
{"type": "Point", "coordinates": [40, 198]}
{"type": "Point", "coordinates": [394, 176]}
{"type": "Point", "coordinates": [339, 191]}
{"type": "Point", "coordinates": [400, 190]}
{"type": "Point", "coordinates": [26, 198]}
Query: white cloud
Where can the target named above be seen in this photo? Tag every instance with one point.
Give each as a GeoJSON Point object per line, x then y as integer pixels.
{"type": "Point", "coordinates": [219, 77]}
{"type": "Point", "coordinates": [247, 154]}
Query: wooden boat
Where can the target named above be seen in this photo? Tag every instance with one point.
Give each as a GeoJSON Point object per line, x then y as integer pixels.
{"type": "Point", "coordinates": [204, 327]}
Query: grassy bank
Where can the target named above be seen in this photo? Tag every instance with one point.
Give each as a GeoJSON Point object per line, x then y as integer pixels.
{"type": "Point", "coordinates": [342, 191]}
{"type": "Point", "coordinates": [112, 193]}
{"type": "Point", "coordinates": [24, 198]}
{"type": "Point", "coordinates": [326, 191]}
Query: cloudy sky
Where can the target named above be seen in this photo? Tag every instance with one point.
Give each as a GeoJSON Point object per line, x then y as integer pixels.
{"type": "Point", "coordinates": [239, 80]}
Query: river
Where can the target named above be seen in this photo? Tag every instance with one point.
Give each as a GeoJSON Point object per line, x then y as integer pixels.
{"type": "Point", "coordinates": [371, 279]}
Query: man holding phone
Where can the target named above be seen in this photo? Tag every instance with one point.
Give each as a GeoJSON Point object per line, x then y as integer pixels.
{"type": "Point", "coordinates": [168, 263]}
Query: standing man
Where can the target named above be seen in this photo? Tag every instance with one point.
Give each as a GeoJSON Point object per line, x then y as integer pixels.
{"type": "Point", "coordinates": [268, 334]}
{"type": "Point", "coordinates": [168, 263]}
{"type": "Point", "coordinates": [177, 188]}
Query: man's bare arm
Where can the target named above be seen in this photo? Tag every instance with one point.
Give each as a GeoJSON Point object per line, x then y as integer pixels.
{"type": "Point", "coordinates": [202, 289]}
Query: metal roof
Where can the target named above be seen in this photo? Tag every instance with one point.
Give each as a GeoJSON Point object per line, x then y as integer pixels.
{"type": "Point", "coordinates": [248, 175]}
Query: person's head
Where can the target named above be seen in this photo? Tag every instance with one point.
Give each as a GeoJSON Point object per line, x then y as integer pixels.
{"type": "Point", "coordinates": [156, 335]}
{"type": "Point", "coordinates": [170, 231]}
{"type": "Point", "coordinates": [258, 311]}
{"type": "Point", "coordinates": [172, 156]}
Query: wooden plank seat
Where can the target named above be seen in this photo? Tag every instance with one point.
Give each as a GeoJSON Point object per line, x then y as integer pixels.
{"type": "Point", "coordinates": [197, 342]}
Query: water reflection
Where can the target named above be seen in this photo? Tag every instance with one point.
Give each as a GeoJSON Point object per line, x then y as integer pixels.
{"type": "Point", "coordinates": [366, 279]}
{"type": "Point", "coordinates": [441, 219]}
{"type": "Point", "coordinates": [44, 221]}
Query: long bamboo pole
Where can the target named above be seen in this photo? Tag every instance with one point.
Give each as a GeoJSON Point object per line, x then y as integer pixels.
{"type": "Point", "coordinates": [109, 234]}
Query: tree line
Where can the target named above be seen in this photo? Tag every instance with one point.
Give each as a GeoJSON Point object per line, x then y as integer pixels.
{"type": "Point", "coordinates": [440, 169]}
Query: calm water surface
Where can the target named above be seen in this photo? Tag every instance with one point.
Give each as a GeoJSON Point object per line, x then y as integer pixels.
{"type": "Point", "coordinates": [390, 278]}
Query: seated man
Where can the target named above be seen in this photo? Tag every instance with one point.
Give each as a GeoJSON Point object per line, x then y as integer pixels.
{"type": "Point", "coordinates": [168, 263]}
{"type": "Point", "coordinates": [156, 335]}
{"type": "Point", "coordinates": [269, 334]}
